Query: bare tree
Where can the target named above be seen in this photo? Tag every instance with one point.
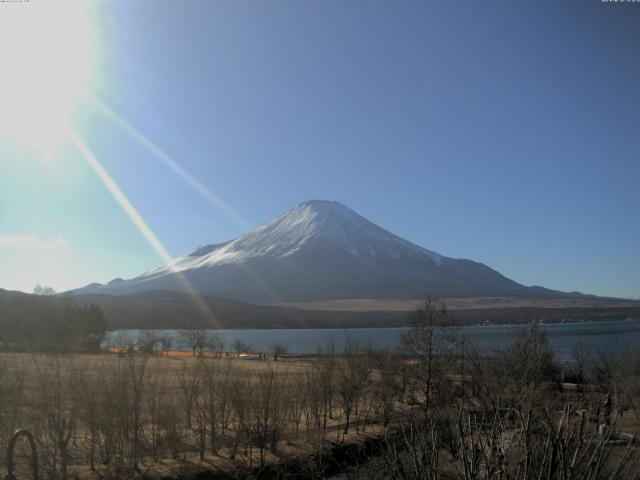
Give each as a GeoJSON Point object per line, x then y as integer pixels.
{"type": "Point", "coordinates": [225, 377]}
{"type": "Point", "coordinates": [167, 342]}
{"type": "Point", "coordinates": [189, 384]}
{"type": "Point", "coordinates": [158, 409]}
{"type": "Point", "coordinates": [196, 340]}
{"type": "Point", "coordinates": [278, 349]}
{"type": "Point", "coordinates": [147, 341]}
{"type": "Point", "coordinates": [526, 363]}
{"type": "Point", "coordinates": [581, 357]}
{"type": "Point", "coordinates": [136, 369]}
{"type": "Point", "coordinates": [427, 344]}
{"type": "Point", "coordinates": [268, 412]}
{"type": "Point", "coordinates": [210, 402]}
{"type": "Point", "coordinates": [12, 382]}
{"type": "Point", "coordinates": [297, 398]}
{"type": "Point", "coordinates": [240, 401]}
{"type": "Point", "coordinates": [201, 407]}
{"type": "Point", "coordinates": [57, 411]}
{"type": "Point", "coordinates": [90, 383]}
{"type": "Point", "coordinates": [216, 342]}
{"type": "Point", "coordinates": [317, 392]}
{"type": "Point", "coordinates": [387, 383]}
{"type": "Point", "coordinates": [241, 347]}
{"type": "Point", "coordinates": [353, 373]}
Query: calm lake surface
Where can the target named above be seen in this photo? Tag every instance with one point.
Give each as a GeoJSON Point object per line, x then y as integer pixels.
{"type": "Point", "coordinates": [604, 337]}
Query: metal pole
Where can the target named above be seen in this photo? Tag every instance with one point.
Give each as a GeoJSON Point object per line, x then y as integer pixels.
{"type": "Point", "coordinates": [34, 453]}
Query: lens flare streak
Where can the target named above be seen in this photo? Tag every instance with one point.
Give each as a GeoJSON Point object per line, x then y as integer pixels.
{"type": "Point", "coordinates": [137, 220]}
{"type": "Point", "coordinates": [172, 164]}
{"type": "Point", "coordinates": [121, 198]}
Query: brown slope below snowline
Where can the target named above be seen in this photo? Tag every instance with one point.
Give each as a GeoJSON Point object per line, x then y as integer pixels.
{"type": "Point", "coordinates": [160, 309]}
{"type": "Point", "coordinates": [403, 305]}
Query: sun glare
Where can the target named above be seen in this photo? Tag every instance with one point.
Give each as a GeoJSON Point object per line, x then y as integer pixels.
{"type": "Point", "coordinates": [46, 49]}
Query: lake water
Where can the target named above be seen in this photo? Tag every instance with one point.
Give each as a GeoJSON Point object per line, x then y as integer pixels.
{"type": "Point", "coordinates": [604, 337]}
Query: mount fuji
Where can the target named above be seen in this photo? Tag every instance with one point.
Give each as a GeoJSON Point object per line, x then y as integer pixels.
{"type": "Point", "coordinates": [322, 250]}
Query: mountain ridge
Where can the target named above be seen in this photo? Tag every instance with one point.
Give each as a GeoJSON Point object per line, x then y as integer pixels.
{"type": "Point", "coordinates": [322, 250]}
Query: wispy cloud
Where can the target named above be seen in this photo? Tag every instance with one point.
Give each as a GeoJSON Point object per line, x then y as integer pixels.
{"type": "Point", "coordinates": [32, 241]}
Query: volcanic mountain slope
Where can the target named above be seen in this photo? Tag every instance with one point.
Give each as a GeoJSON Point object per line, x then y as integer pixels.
{"type": "Point", "coordinates": [322, 250]}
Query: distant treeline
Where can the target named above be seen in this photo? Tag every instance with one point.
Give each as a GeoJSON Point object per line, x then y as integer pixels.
{"type": "Point", "coordinates": [35, 322]}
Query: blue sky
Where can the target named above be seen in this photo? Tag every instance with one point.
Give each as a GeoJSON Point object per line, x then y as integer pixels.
{"type": "Point", "coordinates": [503, 132]}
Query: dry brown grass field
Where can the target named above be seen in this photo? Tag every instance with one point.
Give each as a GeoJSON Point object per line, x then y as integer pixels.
{"type": "Point", "coordinates": [431, 410]}
{"type": "Point", "coordinates": [165, 416]}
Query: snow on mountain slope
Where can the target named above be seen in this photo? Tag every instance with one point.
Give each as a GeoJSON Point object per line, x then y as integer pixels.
{"type": "Point", "coordinates": [289, 233]}
{"type": "Point", "coordinates": [321, 250]}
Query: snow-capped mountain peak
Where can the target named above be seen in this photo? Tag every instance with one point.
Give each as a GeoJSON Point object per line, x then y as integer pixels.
{"type": "Point", "coordinates": [313, 220]}
{"type": "Point", "coordinates": [319, 250]}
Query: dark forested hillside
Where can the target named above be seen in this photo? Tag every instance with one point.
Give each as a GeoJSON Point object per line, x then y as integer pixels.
{"type": "Point", "coordinates": [29, 319]}
{"type": "Point", "coordinates": [166, 309]}
{"type": "Point", "coordinates": [49, 322]}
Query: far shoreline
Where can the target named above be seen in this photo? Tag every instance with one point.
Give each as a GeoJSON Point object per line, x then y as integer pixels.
{"type": "Point", "coordinates": [389, 327]}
